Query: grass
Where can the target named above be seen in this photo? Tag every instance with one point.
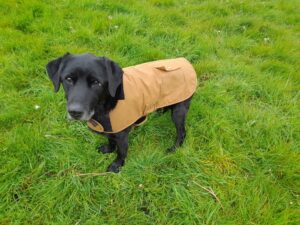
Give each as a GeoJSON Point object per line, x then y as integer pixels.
{"type": "Point", "coordinates": [240, 162]}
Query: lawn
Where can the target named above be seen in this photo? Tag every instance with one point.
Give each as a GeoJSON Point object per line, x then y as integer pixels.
{"type": "Point", "coordinates": [240, 163]}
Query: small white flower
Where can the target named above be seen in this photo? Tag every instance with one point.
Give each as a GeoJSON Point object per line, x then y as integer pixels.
{"type": "Point", "coordinates": [266, 39]}
{"type": "Point", "coordinates": [110, 17]}
{"type": "Point", "coordinates": [37, 107]}
{"type": "Point", "coordinates": [72, 30]}
{"type": "Point", "coordinates": [141, 186]}
{"type": "Point", "coordinates": [116, 26]}
{"type": "Point", "coordinates": [291, 203]}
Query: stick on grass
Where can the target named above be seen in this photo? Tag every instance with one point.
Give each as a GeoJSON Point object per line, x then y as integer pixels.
{"type": "Point", "coordinates": [211, 191]}
{"type": "Point", "coordinates": [92, 174]}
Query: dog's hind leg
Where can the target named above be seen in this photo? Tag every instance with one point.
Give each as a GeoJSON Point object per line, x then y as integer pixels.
{"type": "Point", "coordinates": [178, 113]}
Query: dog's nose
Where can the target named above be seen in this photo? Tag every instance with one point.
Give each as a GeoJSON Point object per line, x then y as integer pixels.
{"type": "Point", "coordinates": [75, 111]}
{"type": "Point", "coordinates": [76, 114]}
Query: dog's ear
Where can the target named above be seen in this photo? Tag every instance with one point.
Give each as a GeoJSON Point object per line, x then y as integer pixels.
{"type": "Point", "coordinates": [53, 71]}
{"type": "Point", "coordinates": [115, 78]}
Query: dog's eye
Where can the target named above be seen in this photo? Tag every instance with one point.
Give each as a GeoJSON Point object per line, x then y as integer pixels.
{"type": "Point", "coordinates": [69, 79]}
{"type": "Point", "coordinates": [95, 82]}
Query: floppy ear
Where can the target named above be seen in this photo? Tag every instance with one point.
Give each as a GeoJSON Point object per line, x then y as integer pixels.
{"type": "Point", "coordinates": [115, 78]}
{"type": "Point", "coordinates": [52, 70]}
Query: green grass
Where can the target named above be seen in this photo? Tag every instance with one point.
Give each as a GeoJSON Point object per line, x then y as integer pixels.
{"type": "Point", "coordinates": [243, 127]}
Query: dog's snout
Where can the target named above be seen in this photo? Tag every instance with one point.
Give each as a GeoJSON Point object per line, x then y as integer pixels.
{"type": "Point", "coordinates": [75, 111]}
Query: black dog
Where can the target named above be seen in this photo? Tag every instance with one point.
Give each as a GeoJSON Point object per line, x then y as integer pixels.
{"type": "Point", "coordinates": [93, 85]}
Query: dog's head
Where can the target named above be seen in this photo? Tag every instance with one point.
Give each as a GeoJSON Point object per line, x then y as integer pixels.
{"type": "Point", "coordinates": [87, 80]}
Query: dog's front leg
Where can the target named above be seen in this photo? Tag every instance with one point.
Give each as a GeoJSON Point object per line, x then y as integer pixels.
{"type": "Point", "coordinates": [109, 148]}
{"type": "Point", "coordinates": [121, 140]}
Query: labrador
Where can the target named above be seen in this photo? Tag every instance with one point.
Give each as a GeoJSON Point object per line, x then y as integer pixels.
{"type": "Point", "coordinates": [93, 87]}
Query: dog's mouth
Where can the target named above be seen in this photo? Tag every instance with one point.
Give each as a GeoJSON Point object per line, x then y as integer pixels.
{"type": "Point", "coordinates": [83, 116]}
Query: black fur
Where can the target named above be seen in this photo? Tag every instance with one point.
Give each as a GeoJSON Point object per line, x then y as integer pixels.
{"type": "Point", "coordinates": [79, 75]}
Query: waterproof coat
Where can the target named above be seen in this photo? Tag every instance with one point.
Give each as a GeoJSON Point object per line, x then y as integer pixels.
{"type": "Point", "coordinates": [147, 87]}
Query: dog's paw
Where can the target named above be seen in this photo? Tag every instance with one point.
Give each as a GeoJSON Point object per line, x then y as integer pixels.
{"type": "Point", "coordinates": [114, 167]}
{"type": "Point", "coordinates": [171, 149]}
{"type": "Point", "coordinates": [105, 149]}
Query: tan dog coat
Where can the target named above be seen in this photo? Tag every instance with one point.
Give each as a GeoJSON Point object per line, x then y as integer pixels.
{"type": "Point", "coordinates": [147, 87]}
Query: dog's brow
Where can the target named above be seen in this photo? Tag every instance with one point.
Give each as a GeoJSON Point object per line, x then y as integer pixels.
{"type": "Point", "coordinates": [91, 76]}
